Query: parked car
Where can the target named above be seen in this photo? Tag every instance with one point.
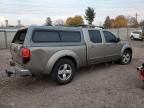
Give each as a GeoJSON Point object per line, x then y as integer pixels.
{"type": "Point", "coordinates": [60, 51]}
{"type": "Point", "coordinates": [137, 35]}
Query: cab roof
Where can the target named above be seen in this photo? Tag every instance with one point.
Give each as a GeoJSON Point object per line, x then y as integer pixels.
{"type": "Point", "coordinates": [79, 28]}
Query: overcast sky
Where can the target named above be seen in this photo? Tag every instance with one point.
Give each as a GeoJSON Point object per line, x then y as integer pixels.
{"type": "Point", "coordinates": [36, 11]}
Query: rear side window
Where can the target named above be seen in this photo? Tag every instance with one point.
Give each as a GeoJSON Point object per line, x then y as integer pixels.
{"type": "Point", "coordinates": [46, 36]}
{"type": "Point", "coordinates": [20, 36]}
{"type": "Point", "coordinates": [70, 36]}
{"type": "Point", "coordinates": [95, 36]}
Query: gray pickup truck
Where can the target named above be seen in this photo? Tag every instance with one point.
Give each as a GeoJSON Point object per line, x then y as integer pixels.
{"type": "Point", "coordinates": [60, 51]}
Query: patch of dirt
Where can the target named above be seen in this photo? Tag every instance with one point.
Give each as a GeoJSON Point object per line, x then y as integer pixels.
{"type": "Point", "coordinates": [101, 86]}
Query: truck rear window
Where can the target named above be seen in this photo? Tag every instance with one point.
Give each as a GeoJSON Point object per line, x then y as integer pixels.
{"type": "Point", "coordinates": [56, 36]}
{"type": "Point", "coordinates": [46, 36]}
{"type": "Point", "coordinates": [20, 36]}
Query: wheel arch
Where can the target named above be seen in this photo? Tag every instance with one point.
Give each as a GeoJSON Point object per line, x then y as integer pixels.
{"type": "Point", "coordinates": [70, 58]}
{"type": "Point", "coordinates": [127, 47]}
{"type": "Point", "coordinates": [67, 54]}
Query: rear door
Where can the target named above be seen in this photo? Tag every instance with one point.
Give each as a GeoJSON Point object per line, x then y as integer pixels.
{"type": "Point", "coordinates": [16, 45]}
{"type": "Point", "coordinates": [95, 47]}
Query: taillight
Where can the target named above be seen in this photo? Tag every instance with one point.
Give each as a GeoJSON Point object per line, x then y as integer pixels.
{"type": "Point", "coordinates": [25, 53]}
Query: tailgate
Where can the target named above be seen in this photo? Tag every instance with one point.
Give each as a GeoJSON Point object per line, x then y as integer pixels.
{"type": "Point", "coordinates": [16, 52]}
{"type": "Point", "coordinates": [16, 46]}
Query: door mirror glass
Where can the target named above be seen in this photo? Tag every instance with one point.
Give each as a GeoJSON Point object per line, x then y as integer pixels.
{"type": "Point", "coordinates": [118, 40]}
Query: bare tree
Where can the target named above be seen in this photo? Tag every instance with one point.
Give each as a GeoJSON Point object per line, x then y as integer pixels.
{"type": "Point", "coordinates": [132, 22]}
{"type": "Point", "coordinates": [59, 22]}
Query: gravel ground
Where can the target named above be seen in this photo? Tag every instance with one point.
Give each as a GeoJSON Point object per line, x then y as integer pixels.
{"type": "Point", "coordinates": [101, 86]}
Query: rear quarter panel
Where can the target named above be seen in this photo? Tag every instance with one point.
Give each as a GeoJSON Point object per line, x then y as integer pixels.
{"type": "Point", "coordinates": [44, 58]}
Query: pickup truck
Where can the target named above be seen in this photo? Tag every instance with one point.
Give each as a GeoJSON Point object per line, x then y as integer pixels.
{"type": "Point", "coordinates": [60, 51]}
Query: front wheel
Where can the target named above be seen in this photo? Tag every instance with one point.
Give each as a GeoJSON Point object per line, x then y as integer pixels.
{"type": "Point", "coordinates": [131, 37]}
{"type": "Point", "coordinates": [126, 57]}
{"type": "Point", "coordinates": [63, 71]}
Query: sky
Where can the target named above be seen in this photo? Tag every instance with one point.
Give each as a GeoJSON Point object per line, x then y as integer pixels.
{"type": "Point", "coordinates": [36, 11]}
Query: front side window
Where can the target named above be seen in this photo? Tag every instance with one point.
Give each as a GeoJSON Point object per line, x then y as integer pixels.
{"type": "Point", "coordinates": [110, 38]}
{"type": "Point", "coordinates": [46, 36]}
{"type": "Point", "coordinates": [95, 36]}
{"type": "Point", "coordinates": [70, 36]}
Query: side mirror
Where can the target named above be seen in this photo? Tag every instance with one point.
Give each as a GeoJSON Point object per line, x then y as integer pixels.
{"type": "Point", "coordinates": [118, 40]}
{"type": "Point", "coordinates": [143, 65]}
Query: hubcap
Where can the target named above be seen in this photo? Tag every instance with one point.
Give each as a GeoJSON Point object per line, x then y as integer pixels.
{"type": "Point", "coordinates": [126, 57]}
{"type": "Point", "coordinates": [64, 72]}
{"type": "Point", "coordinates": [132, 37]}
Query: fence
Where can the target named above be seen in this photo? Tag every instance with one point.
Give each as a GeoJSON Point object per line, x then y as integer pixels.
{"type": "Point", "coordinates": [123, 33]}
{"type": "Point", "coordinates": [7, 35]}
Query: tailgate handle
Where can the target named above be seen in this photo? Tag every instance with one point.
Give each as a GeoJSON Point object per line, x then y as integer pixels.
{"type": "Point", "coordinates": [16, 48]}
{"type": "Point", "coordinates": [92, 46]}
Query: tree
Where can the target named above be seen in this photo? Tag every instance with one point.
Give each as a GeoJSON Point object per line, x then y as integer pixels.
{"type": "Point", "coordinates": [74, 21]}
{"type": "Point", "coordinates": [48, 21]}
{"type": "Point", "coordinates": [107, 23]}
{"type": "Point", "coordinates": [69, 21]}
{"type": "Point", "coordinates": [141, 23]}
{"type": "Point", "coordinates": [78, 20]}
{"type": "Point", "coordinates": [112, 23]}
{"type": "Point", "coordinates": [59, 22]}
{"type": "Point", "coordinates": [120, 21]}
{"type": "Point", "coordinates": [132, 22]}
{"type": "Point", "coordinates": [89, 15]}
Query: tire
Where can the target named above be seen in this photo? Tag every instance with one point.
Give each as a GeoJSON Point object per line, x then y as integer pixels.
{"type": "Point", "coordinates": [126, 57]}
{"type": "Point", "coordinates": [142, 39]}
{"type": "Point", "coordinates": [63, 71]}
{"type": "Point", "coordinates": [131, 37]}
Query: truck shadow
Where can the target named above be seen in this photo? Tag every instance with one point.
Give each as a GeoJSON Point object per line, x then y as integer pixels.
{"type": "Point", "coordinates": [43, 81]}
{"type": "Point", "coordinates": [94, 68]}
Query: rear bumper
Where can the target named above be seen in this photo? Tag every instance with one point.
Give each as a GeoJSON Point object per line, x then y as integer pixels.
{"type": "Point", "coordinates": [17, 70]}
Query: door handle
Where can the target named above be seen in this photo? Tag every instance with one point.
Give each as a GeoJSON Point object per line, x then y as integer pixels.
{"type": "Point", "coordinates": [107, 45]}
{"type": "Point", "coordinates": [92, 46]}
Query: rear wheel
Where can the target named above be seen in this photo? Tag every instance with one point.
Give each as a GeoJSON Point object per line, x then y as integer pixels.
{"type": "Point", "coordinates": [126, 57]}
{"type": "Point", "coordinates": [63, 71]}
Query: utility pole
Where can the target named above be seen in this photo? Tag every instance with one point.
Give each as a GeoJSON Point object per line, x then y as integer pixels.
{"type": "Point", "coordinates": [6, 23]}
{"type": "Point", "coordinates": [137, 18]}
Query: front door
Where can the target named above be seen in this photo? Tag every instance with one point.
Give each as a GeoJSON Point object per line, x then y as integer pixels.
{"type": "Point", "coordinates": [112, 46]}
